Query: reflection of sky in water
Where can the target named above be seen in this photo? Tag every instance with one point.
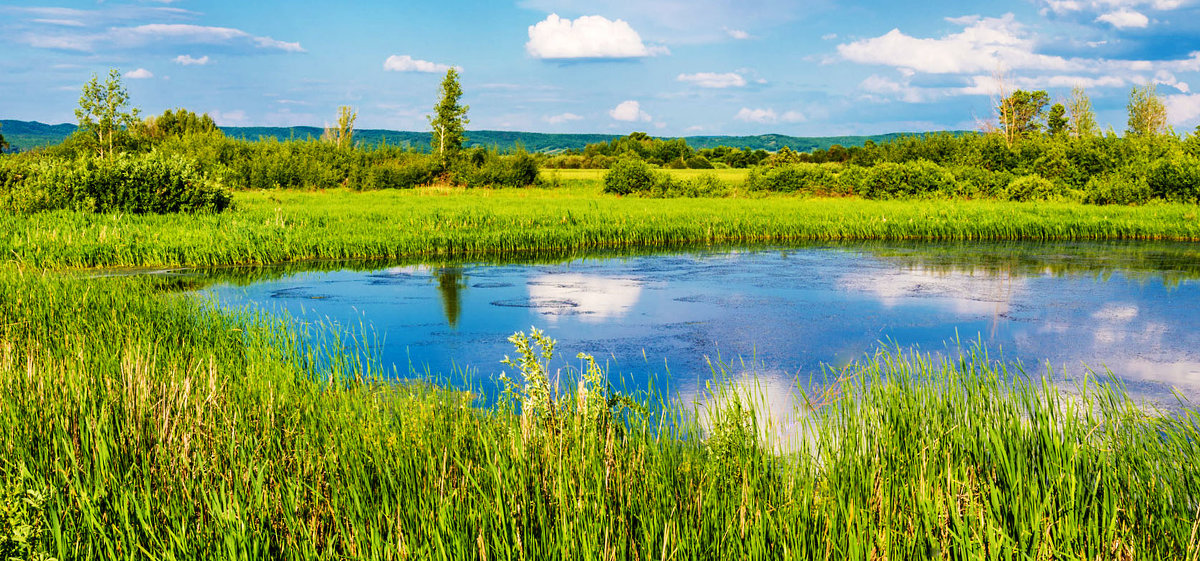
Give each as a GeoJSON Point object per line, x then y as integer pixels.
{"type": "Point", "coordinates": [788, 311]}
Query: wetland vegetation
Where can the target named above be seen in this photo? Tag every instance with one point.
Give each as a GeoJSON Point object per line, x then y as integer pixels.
{"type": "Point", "coordinates": [136, 422]}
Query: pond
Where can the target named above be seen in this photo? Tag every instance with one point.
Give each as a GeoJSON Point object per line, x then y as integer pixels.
{"type": "Point", "coordinates": [785, 315]}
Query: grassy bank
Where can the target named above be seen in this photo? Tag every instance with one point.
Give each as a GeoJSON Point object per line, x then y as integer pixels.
{"type": "Point", "coordinates": [438, 222]}
{"type": "Point", "coordinates": [137, 425]}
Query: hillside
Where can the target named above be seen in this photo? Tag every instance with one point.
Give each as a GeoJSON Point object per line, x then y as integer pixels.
{"type": "Point", "coordinates": [26, 135]}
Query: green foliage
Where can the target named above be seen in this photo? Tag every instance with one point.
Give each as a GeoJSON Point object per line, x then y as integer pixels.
{"type": "Point", "coordinates": [910, 179]}
{"type": "Point", "coordinates": [1021, 113]}
{"type": "Point", "coordinates": [1056, 121]}
{"type": "Point", "coordinates": [1116, 189]}
{"type": "Point", "coordinates": [485, 168]}
{"type": "Point", "coordinates": [104, 121]}
{"type": "Point", "coordinates": [699, 162]}
{"type": "Point", "coordinates": [1175, 179]}
{"type": "Point", "coordinates": [1082, 119]}
{"type": "Point", "coordinates": [449, 120]}
{"type": "Point", "coordinates": [629, 175]}
{"type": "Point", "coordinates": [22, 520]}
{"type": "Point", "coordinates": [342, 134]}
{"type": "Point", "coordinates": [153, 183]}
{"type": "Point", "coordinates": [1147, 113]}
{"type": "Point", "coordinates": [1030, 188]}
{"type": "Point", "coordinates": [175, 123]}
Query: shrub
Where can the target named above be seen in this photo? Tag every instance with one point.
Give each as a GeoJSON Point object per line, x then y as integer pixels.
{"type": "Point", "coordinates": [794, 178]}
{"type": "Point", "coordinates": [1030, 188]}
{"type": "Point", "coordinates": [517, 170]}
{"type": "Point", "coordinates": [153, 183]}
{"type": "Point", "coordinates": [1175, 178]}
{"type": "Point", "coordinates": [397, 174]}
{"type": "Point", "coordinates": [1116, 189]}
{"type": "Point", "coordinates": [894, 181]}
{"type": "Point", "coordinates": [627, 176]}
{"type": "Point", "coordinates": [699, 162]}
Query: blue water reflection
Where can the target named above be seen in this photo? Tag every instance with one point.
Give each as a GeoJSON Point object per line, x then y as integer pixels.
{"type": "Point", "coordinates": [788, 311]}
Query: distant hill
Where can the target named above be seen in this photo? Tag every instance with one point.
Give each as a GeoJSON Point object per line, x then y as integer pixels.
{"type": "Point", "coordinates": [26, 135]}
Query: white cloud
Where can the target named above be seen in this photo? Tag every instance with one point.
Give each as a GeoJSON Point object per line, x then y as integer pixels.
{"type": "Point", "coordinates": [1183, 109]}
{"type": "Point", "coordinates": [768, 116]}
{"type": "Point", "coordinates": [188, 60]}
{"type": "Point", "coordinates": [1125, 19]}
{"type": "Point", "coordinates": [629, 111]}
{"type": "Point", "coordinates": [561, 119]}
{"type": "Point", "coordinates": [406, 63]}
{"type": "Point", "coordinates": [1069, 6]}
{"type": "Point", "coordinates": [589, 37]}
{"type": "Point", "coordinates": [983, 46]}
{"type": "Point", "coordinates": [187, 33]}
{"type": "Point", "coordinates": [229, 118]}
{"type": "Point", "coordinates": [62, 22]}
{"type": "Point", "coordinates": [737, 34]}
{"type": "Point", "coordinates": [714, 80]}
{"type": "Point", "coordinates": [829, 36]}
{"type": "Point", "coordinates": [139, 74]}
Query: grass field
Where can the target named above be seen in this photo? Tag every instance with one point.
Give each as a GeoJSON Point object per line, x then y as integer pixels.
{"type": "Point", "coordinates": [443, 222]}
{"type": "Point", "coordinates": [136, 423]}
{"type": "Point", "coordinates": [140, 426]}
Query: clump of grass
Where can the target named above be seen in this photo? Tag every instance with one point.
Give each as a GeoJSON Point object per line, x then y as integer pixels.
{"type": "Point", "coordinates": [160, 427]}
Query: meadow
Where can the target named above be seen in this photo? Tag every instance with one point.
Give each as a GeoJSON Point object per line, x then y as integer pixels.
{"type": "Point", "coordinates": [137, 422]}
{"type": "Point", "coordinates": [270, 226]}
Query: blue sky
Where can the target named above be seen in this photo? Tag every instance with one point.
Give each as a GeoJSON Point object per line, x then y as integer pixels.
{"type": "Point", "coordinates": [673, 67]}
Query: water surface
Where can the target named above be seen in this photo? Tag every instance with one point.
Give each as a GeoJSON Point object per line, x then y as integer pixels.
{"type": "Point", "coordinates": [785, 314]}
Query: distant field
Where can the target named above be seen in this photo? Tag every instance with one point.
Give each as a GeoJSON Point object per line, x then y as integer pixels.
{"type": "Point", "coordinates": [728, 175]}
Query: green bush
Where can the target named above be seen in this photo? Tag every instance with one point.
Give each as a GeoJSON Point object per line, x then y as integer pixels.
{"type": "Point", "coordinates": [151, 183]}
{"type": "Point", "coordinates": [1175, 179]}
{"type": "Point", "coordinates": [664, 186]}
{"type": "Point", "coordinates": [397, 174]}
{"type": "Point", "coordinates": [1116, 189]}
{"type": "Point", "coordinates": [795, 178]}
{"type": "Point", "coordinates": [627, 176]}
{"type": "Point", "coordinates": [489, 169]}
{"type": "Point", "coordinates": [1030, 188]}
{"type": "Point", "coordinates": [910, 179]}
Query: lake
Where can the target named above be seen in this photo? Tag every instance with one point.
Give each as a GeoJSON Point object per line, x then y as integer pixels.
{"type": "Point", "coordinates": [785, 315]}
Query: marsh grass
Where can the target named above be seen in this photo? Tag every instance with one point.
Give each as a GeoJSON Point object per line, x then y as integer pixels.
{"type": "Point", "coordinates": [158, 427]}
{"type": "Point", "coordinates": [443, 223]}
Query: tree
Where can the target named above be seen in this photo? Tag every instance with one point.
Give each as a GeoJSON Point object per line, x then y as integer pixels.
{"type": "Point", "coordinates": [449, 120]}
{"type": "Point", "coordinates": [177, 122]}
{"type": "Point", "coordinates": [1056, 122]}
{"type": "Point", "coordinates": [342, 135]}
{"type": "Point", "coordinates": [1147, 114]}
{"type": "Point", "coordinates": [3, 143]}
{"type": "Point", "coordinates": [1082, 120]}
{"type": "Point", "coordinates": [1021, 114]}
{"type": "Point", "coordinates": [102, 112]}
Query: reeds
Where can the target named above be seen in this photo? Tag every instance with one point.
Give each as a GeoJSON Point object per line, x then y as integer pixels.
{"type": "Point", "coordinates": [156, 427]}
{"type": "Point", "coordinates": [444, 223]}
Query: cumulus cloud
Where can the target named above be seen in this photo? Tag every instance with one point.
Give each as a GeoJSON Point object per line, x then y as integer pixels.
{"type": "Point", "coordinates": [188, 60]}
{"type": "Point", "coordinates": [562, 118]}
{"type": "Point", "coordinates": [1182, 109]}
{"type": "Point", "coordinates": [629, 111]}
{"type": "Point", "coordinates": [714, 80]}
{"type": "Point", "coordinates": [1124, 19]}
{"type": "Point", "coordinates": [139, 74]}
{"type": "Point", "coordinates": [768, 116]}
{"type": "Point", "coordinates": [406, 63]}
{"type": "Point", "coordinates": [589, 37]}
{"type": "Point", "coordinates": [982, 46]}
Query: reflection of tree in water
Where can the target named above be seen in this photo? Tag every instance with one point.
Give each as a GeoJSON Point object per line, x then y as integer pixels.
{"type": "Point", "coordinates": [450, 283]}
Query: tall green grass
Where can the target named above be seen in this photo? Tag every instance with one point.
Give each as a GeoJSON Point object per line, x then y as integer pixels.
{"type": "Point", "coordinates": [155, 427]}
{"type": "Point", "coordinates": [437, 223]}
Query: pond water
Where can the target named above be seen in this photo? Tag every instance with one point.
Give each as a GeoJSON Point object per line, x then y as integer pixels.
{"type": "Point", "coordinates": [782, 314]}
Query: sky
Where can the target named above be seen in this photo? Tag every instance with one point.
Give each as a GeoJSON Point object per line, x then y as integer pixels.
{"type": "Point", "coordinates": [669, 67]}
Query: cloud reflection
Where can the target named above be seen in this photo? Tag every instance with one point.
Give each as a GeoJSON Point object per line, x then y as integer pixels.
{"type": "Point", "coordinates": [595, 298]}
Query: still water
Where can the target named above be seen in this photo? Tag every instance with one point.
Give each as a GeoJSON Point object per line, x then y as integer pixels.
{"type": "Point", "coordinates": [784, 315]}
